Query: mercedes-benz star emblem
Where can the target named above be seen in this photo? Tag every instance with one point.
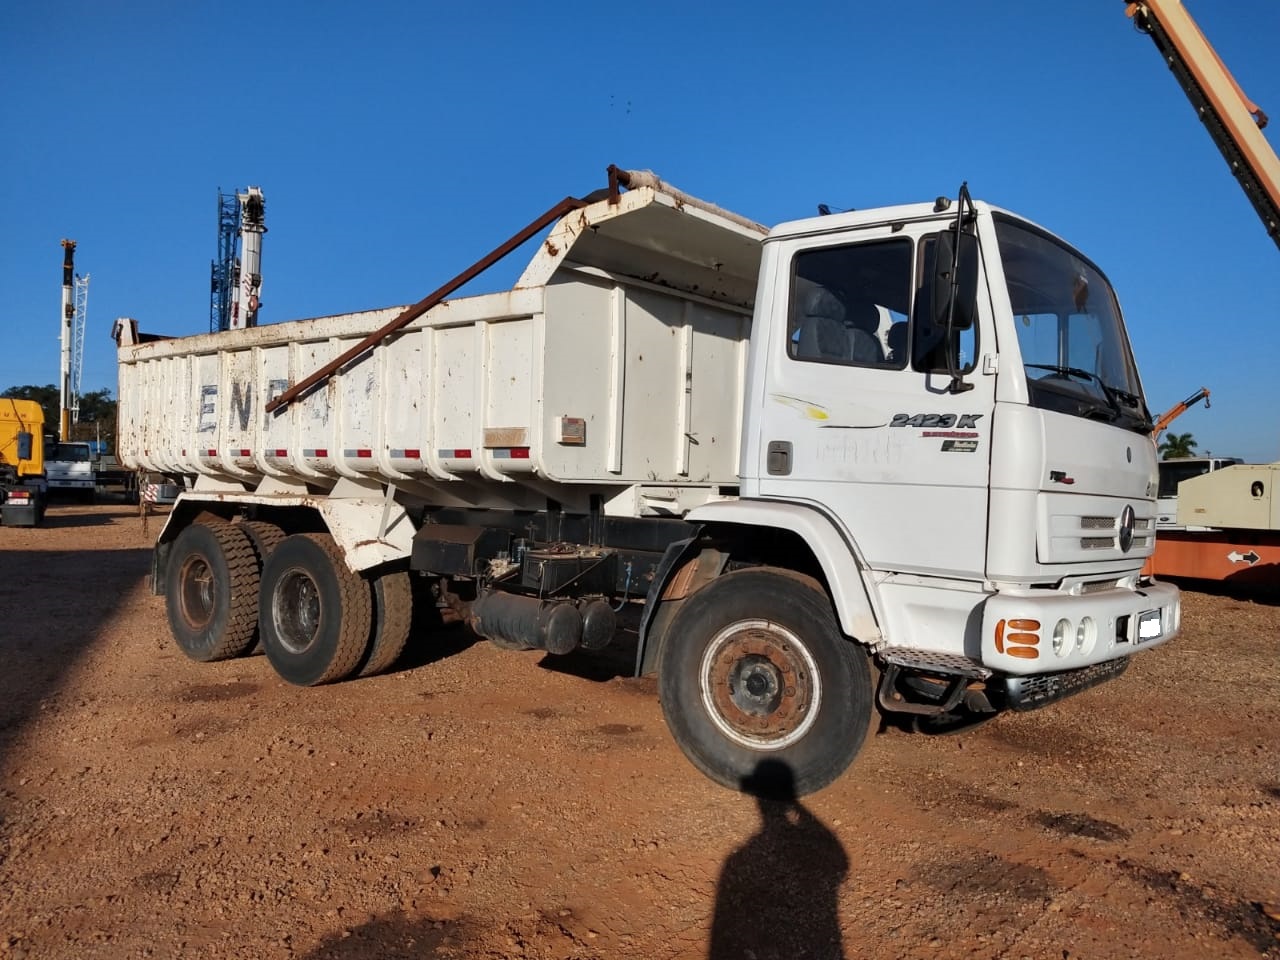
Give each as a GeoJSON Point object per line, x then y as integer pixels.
{"type": "Point", "coordinates": [1126, 529]}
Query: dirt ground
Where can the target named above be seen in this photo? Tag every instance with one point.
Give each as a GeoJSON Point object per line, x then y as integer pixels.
{"type": "Point", "coordinates": [485, 804]}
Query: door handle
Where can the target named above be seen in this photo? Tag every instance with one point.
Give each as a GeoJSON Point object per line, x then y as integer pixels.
{"type": "Point", "coordinates": [778, 458]}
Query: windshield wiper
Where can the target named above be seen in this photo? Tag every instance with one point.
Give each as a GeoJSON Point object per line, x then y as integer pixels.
{"type": "Point", "coordinates": [1109, 392]}
{"type": "Point", "coordinates": [1113, 394]}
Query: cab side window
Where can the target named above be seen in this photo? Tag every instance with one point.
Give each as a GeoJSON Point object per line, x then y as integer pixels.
{"type": "Point", "coordinates": [849, 304]}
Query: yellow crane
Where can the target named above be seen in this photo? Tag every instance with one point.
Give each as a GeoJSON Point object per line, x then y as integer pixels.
{"type": "Point", "coordinates": [1233, 120]}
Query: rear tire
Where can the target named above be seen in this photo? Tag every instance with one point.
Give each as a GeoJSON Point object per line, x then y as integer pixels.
{"type": "Point", "coordinates": [756, 680]}
{"type": "Point", "coordinates": [314, 612]}
{"type": "Point", "coordinates": [265, 537]}
{"type": "Point", "coordinates": [211, 592]}
{"type": "Point", "coordinates": [392, 597]}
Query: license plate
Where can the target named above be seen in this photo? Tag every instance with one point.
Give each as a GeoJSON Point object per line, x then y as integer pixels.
{"type": "Point", "coordinates": [1148, 625]}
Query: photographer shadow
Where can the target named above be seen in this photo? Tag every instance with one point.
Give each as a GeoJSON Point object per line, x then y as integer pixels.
{"type": "Point", "coordinates": [778, 894]}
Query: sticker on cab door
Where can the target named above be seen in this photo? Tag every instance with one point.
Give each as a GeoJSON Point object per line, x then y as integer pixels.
{"type": "Point", "coordinates": [963, 421]}
{"type": "Point", "coordinates": [955, 430]}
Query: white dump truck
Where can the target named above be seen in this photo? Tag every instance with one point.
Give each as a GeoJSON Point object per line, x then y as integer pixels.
{"type": "Point", "coordinates": [894, 459]}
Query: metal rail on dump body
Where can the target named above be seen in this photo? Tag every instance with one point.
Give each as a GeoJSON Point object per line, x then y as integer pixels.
{"type": "Point", "coordinates": [632, 179]}
{"type": "Point", "coordinates": [1232, 119]}
{"type": "Point", "coordinates": [426, 303]}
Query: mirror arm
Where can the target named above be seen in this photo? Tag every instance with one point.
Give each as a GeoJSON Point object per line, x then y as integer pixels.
{"type": "Point", "coordinates": [958, 383]}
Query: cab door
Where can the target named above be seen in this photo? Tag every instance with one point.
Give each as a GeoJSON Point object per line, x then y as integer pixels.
{"type": "Point", "coordinates": [858, 416]}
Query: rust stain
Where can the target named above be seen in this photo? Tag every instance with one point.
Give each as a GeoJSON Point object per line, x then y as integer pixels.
{"type": "Point", "coordinates": [678, 588]}
{"type": "Point", "coordinates": [505, 437]}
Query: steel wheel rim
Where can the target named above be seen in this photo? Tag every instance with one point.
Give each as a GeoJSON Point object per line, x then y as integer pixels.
{"type": "Point", "coordinates": [295, 611]}
{"type": "Point", "coordinates": [760, 685]}
{"type": "Point", "coordinates": [197, 593]}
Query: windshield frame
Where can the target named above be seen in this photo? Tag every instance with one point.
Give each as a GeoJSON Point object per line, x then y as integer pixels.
{"type": "Point", "coordinates": [1106, 389]}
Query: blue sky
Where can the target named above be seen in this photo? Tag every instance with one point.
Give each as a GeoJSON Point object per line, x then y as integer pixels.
{"type": "Point", "coordinates": [397, 142]}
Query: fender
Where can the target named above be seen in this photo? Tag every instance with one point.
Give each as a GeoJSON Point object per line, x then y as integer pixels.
{"type": "Point", "coordinates": [839, 560]}
{"type": "Point", "coordinates": [368, 530]}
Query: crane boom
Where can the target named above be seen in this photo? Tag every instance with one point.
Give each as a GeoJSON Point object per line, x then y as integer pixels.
{"type": "Point", "coordinates": [77, 343]}
{"type": "Point", "coordinates": [1232, 119]}
{"type": "Point", "coordinates": [65, 321]}
{"type": "Point", "coordinates": [244, 296]}
{"type": "Point", "coordinates": [1177, 410]}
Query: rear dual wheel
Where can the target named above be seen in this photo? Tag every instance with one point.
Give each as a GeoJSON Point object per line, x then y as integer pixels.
{"type": "Point", "coordinates": [392, 597]}
{"type": "Point", "coordinates": [211, 591]}
{"type": "Point", "coordinates": [265, 537]}
{"type": "Point", "coordinates": [320, 622]}
{"type": "Point", "coordinates": [315, 614]}
{"type": "Point", "coordinates": [230, 586]}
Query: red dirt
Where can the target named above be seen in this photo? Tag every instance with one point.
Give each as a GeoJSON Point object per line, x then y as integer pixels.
{"type": "Point", "coordinates": [482, 804]}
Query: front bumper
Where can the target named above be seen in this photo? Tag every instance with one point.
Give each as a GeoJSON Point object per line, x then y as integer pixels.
{"type": "Point", "coordinates": [1019, 629]}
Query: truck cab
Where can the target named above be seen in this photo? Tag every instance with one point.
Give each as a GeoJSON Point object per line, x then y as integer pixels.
{"type": "Point", "coordinates": [69, 467]}
{"type": "Point", "coordinates": [989, 469]}
{"type": "Point", "coordinates": [22, 479]}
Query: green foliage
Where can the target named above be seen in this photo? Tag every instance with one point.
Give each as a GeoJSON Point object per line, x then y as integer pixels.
{"type": "Point", "coordinates": [97, 411]}
{"type": "Point", "coordinates": [1177, 445]}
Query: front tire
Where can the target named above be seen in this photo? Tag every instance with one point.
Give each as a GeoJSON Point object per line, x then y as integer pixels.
{"type": "Point", "coordinates": [755, 675]}
{"type": "Point", "coordinates": [314, 613]}
{"type": "Point", "coordinates": [211, 592]}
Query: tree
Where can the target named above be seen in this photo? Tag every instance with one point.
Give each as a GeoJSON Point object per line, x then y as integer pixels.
{"type": "Point", "coordinates": [46, 396]}
{"type": "Point", "coordinates": [1177, 445]}
{"type": "Point", "coordinates": [97, 411]}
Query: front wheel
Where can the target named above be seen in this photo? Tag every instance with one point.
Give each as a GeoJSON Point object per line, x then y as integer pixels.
{"type": "Point", "coordinates": [755, 676]}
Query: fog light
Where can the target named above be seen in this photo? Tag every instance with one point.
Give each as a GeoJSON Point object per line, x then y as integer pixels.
{"type": "Point", "coordinates": [1062, 638]}
{"type": "Point", "coordinates": [1086, 636]}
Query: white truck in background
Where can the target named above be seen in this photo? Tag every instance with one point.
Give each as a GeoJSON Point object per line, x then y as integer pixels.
{"type": "Point", "coordinates": [911, 438]}
{"type": "Point", "coordinates": [69, 468]}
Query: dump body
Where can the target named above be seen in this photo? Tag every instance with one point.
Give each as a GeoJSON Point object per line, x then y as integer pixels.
{"type": "Point", "coordinates": [583, 379]}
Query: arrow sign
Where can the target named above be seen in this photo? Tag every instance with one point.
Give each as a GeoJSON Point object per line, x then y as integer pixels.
{"type": "Point", "coordinates": [1250, 558]}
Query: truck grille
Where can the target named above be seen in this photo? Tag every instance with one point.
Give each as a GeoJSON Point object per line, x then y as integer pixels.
{"type": "Point", "coordinates": [1142, 529]}
{"type": "Point", "coordinates": [1097, 586]}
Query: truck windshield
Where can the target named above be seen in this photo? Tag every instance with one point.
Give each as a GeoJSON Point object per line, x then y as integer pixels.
{"type": "Point", "coordinates": [1073, 343]}
{"type": "Point", "coordinates": [74, 452]}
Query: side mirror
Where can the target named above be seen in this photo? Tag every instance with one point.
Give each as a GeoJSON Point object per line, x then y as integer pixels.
{"type": "Point", "coordinates": [24, 445]}
{"type": "Point", "coordinates": [955, 295]}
